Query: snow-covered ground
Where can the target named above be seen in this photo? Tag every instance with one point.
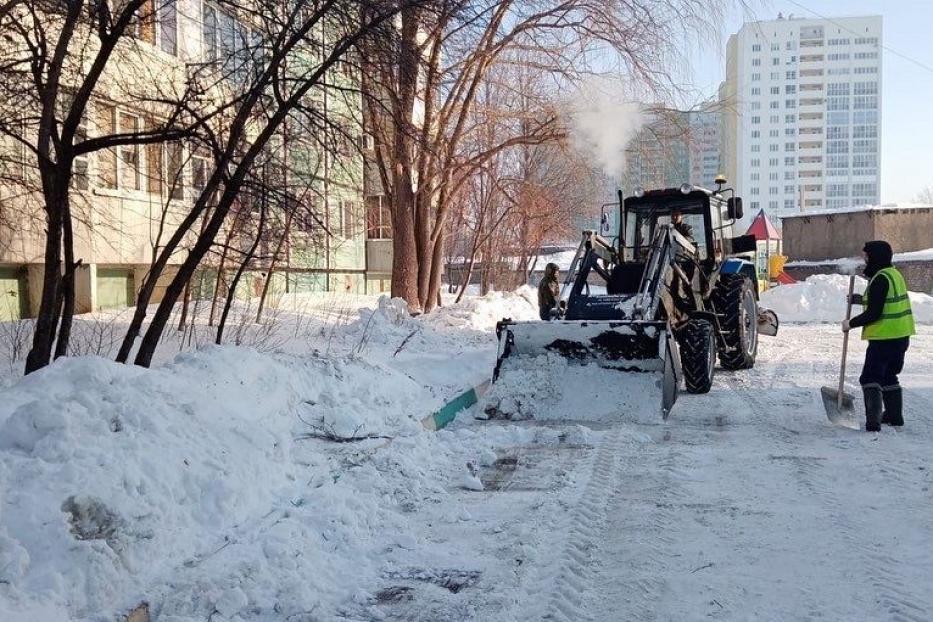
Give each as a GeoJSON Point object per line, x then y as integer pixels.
{"type": "Point", "coordinates": [213, 487]}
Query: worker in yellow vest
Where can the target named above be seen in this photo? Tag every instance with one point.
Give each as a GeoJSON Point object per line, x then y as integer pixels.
{"type": "Point", "coordinates": [887, 323]}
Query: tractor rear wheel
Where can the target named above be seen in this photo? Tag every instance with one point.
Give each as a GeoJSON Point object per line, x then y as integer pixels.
{"type": "Point", "coordinates": [697, 342]}
{"type": "Point", "coordinates": [735, 304]}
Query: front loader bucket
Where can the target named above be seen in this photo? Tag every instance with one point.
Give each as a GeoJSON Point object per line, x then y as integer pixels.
{"type": "Point", "coordinates": [640, 351]}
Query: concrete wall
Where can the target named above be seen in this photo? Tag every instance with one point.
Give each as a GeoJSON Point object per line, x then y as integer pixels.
{"type": "Point", "coordinates": [828, 236]}
{"type": "Point", "coordinates": [834, 236]}
{"type": "Point", "coordinates": [918, 274]}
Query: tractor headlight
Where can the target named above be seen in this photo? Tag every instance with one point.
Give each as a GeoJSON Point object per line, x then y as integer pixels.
{"type": "Point", "coordinates": [639, 192]}
{"type": "Point", "coordinates": [686, 188]}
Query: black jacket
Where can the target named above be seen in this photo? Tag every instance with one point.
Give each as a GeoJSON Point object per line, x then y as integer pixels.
{"type": "Point", "coordinates": [880, 255]}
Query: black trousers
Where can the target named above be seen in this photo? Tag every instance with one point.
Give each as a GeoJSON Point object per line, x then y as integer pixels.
{"type": "Point", "coordinates": [884, 360]}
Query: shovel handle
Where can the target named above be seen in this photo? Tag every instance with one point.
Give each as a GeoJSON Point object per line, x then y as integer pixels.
{"type": "Point", "coordinates": [845, 343]}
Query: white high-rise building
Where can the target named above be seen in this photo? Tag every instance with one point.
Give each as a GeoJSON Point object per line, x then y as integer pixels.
{"type": "Point", "coordinates": [802, 113]}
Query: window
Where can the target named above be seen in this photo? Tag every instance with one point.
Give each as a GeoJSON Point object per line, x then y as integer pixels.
{"type": "Point", "coordinates": [790, 89]}
{"type": "Point", "coordinates": [775, 75]}
{"type": "Point", "coordinates": [773, 162]}
{"type": "Point", "coordinates": [175, 166]}
{"type": "Point", "coordinates": [209, 33]}
{"type": "Point", "coordinates": [775, 47]}
{"type": "Point", "coordinates": [788, 146]}
{"type": "Point", "coordinates": [79, 165]}
{"type": "Point", "coordinates": [756, 47]}
{"type": "Point", "coordinates": [756, 105]}
{"type": "Point", "coordinates": [772, 205]}
{"type": "Point", "coordinates": [756, 134]}
{"type": "Point", "coordinates": [756, 77]}
{"type": "Point", "coordinates": [775, 90]}
{"type": "Point", "coordinates": [756, 90]}
{"type": "Point", "coordinates": [788, 204]}
{"type": "Point", "coordinates": [789, 189]}
{"type": "Point", "coordinates": [159, 25]}
{"type": "Point", "coordinates": [773, 148]}
{"type": "Point", "coordinates": [790, 46]}
{"type": "Point", "coordinates": [789, 161]}
{"type": "Point", "coordinates": [789, 174]}
{"type": "Point", "coordinates": [756, 62]}
{"type": "Point", "coordinates": [789, 131]}
{"type": "Point", "coordinates": [789, 118]}
{"type": "Point", "coordinates": [775, 118]}
{"type": "Point", "coordinates": [128, 162]}
{"type": "Point", "coordinates": [774, 133]}
{"type": "Point", "coordinates": [755, 191]}
{"type": "Point", "coordinates": [756, 162]}
{"type": "Point", "coordinates": [106, 158]}
{"type": "Point", "coordinates": [755, 176]}
{"type": "Point", "coordinates": [378, 219]}
{"type": "Point", "coordinates": [754, 205]}
{"type": "Point", "coordinates": [229, 41]}
{"type": "Point", "coordinates": [775, 105]}
{"type": "Point", "coordinates": [790, 103]}
{"type": "Point", "coordinates": [756, 120]}
{"type": "Point", "coordinates": [168, 26]}
{"type": "Point", "coordinates": [775, 61]}
{"type": "Point", "coordinates": [756, 148]}
{"type": "Point", "coordinates": [773, 176]}
{"type": "Point", "coordinates": [12, 150]}
{"type": "Point", "coordinates": [200, 170]}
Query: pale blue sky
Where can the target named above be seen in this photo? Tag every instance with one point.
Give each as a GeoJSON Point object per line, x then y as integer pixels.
{"type": "Point", "coordinates": [907, 89]}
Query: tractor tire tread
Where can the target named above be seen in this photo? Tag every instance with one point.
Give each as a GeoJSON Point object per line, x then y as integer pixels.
{"type": "Point", "coordinates": [696, 337]}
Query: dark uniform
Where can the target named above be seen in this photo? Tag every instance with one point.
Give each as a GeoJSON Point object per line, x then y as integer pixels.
{"type": "Point", "coordinates": [887, 324]}
{"type": "Point", "coordinates": [548, 291]}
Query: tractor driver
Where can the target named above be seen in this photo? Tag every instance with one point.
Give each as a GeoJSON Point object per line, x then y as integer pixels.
{"type": "Point", "coordinates": [677, 219]}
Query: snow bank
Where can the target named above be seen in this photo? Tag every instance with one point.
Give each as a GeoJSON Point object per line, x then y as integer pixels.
{"type": "Point", "coordinates": [203, 488]}
{"type": "Point", "coordinates": [822, 298]}
{"type": "Point", "coordinates": [122, 484]}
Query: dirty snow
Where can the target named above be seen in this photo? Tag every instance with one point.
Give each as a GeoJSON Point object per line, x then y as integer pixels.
{"type": "Point", "coordinates": [212, 487]}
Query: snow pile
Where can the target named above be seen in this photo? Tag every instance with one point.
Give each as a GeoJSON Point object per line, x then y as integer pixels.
{"type": "Point", "coordinates": [480, 313]}
{"type": "Point", "coordinates": [196, 486]}
{"type": "Point", "coordinates": [822, 298]}
{"type": "Point", "coordinates": [537, 387]}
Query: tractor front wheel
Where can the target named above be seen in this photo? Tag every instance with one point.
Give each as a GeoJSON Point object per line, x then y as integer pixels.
{"type": "Point", "coordinates": [698, 354]}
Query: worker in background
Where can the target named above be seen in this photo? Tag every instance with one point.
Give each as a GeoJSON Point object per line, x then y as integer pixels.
{"type": "Point", "coordinates": [548, 291]}
{"type": "Point", "coordinates": [887, 323]}
{"type": "Point", "coordinates": [677, 219]}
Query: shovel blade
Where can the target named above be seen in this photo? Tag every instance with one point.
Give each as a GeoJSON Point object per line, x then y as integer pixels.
{"type": "Point", "coordinates": [841, 414]}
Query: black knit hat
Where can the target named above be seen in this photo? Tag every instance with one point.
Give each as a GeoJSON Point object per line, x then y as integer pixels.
{"type": "Point", "coordinates": [879, 254]}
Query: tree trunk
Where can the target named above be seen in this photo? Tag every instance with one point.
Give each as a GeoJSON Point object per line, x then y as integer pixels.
{"type": "Point", "coordinates": [68, 286]}
{"type": "Point", "coordinates": [47, 320]}
{"type": "Point", "coordinates": [185, 301]}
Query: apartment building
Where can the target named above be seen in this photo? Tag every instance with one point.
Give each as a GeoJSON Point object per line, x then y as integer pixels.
{"type": "Point", "coordinates": [673, 148]}
{"type": "Point", "coordinates": [124, 199]}
{"type": "Point", "coordinates": [802, 113]}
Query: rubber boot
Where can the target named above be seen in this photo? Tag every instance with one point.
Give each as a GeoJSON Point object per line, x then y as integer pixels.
{"type": "Point", "coordinates": [873, 406]}
{"type": "Point", "coordinates": [893, 406]}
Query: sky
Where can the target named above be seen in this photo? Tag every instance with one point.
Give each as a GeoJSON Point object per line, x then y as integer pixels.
{"type": "Point", "coordinates": [907, 88]}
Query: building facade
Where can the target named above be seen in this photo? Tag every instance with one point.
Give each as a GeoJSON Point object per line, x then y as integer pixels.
{"type": "Point", "coordinates": [674, 148]}
{"type": "Point", "coordinates": [801, 119]}
{"type": "Point", "coordinates": [125, 198]}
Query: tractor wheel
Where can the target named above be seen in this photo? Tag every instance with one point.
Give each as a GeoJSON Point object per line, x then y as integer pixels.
{"type": "Point", "coordinates": [697, 342]}
{"type": "Point", "coordinates": [735, 303]}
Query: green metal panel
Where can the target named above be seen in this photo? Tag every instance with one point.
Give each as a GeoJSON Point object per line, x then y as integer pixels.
{"type": "Point", "coordinates": [12, 294]}
{"type": "Point", "coordinates": [114, 288]}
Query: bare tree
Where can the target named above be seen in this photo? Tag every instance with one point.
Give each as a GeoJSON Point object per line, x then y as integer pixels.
{"type": "Point", "coordinates": [925, 196]}
{"type": "Point", "coordinates": [432, 85]}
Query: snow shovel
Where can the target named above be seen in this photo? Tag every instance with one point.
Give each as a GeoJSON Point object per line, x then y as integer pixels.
{"type": "Point", "coordinates": [839, 405]}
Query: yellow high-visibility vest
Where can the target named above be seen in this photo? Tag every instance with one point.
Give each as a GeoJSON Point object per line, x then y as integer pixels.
{"type": "Point", "coordinates": [897, 319]}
